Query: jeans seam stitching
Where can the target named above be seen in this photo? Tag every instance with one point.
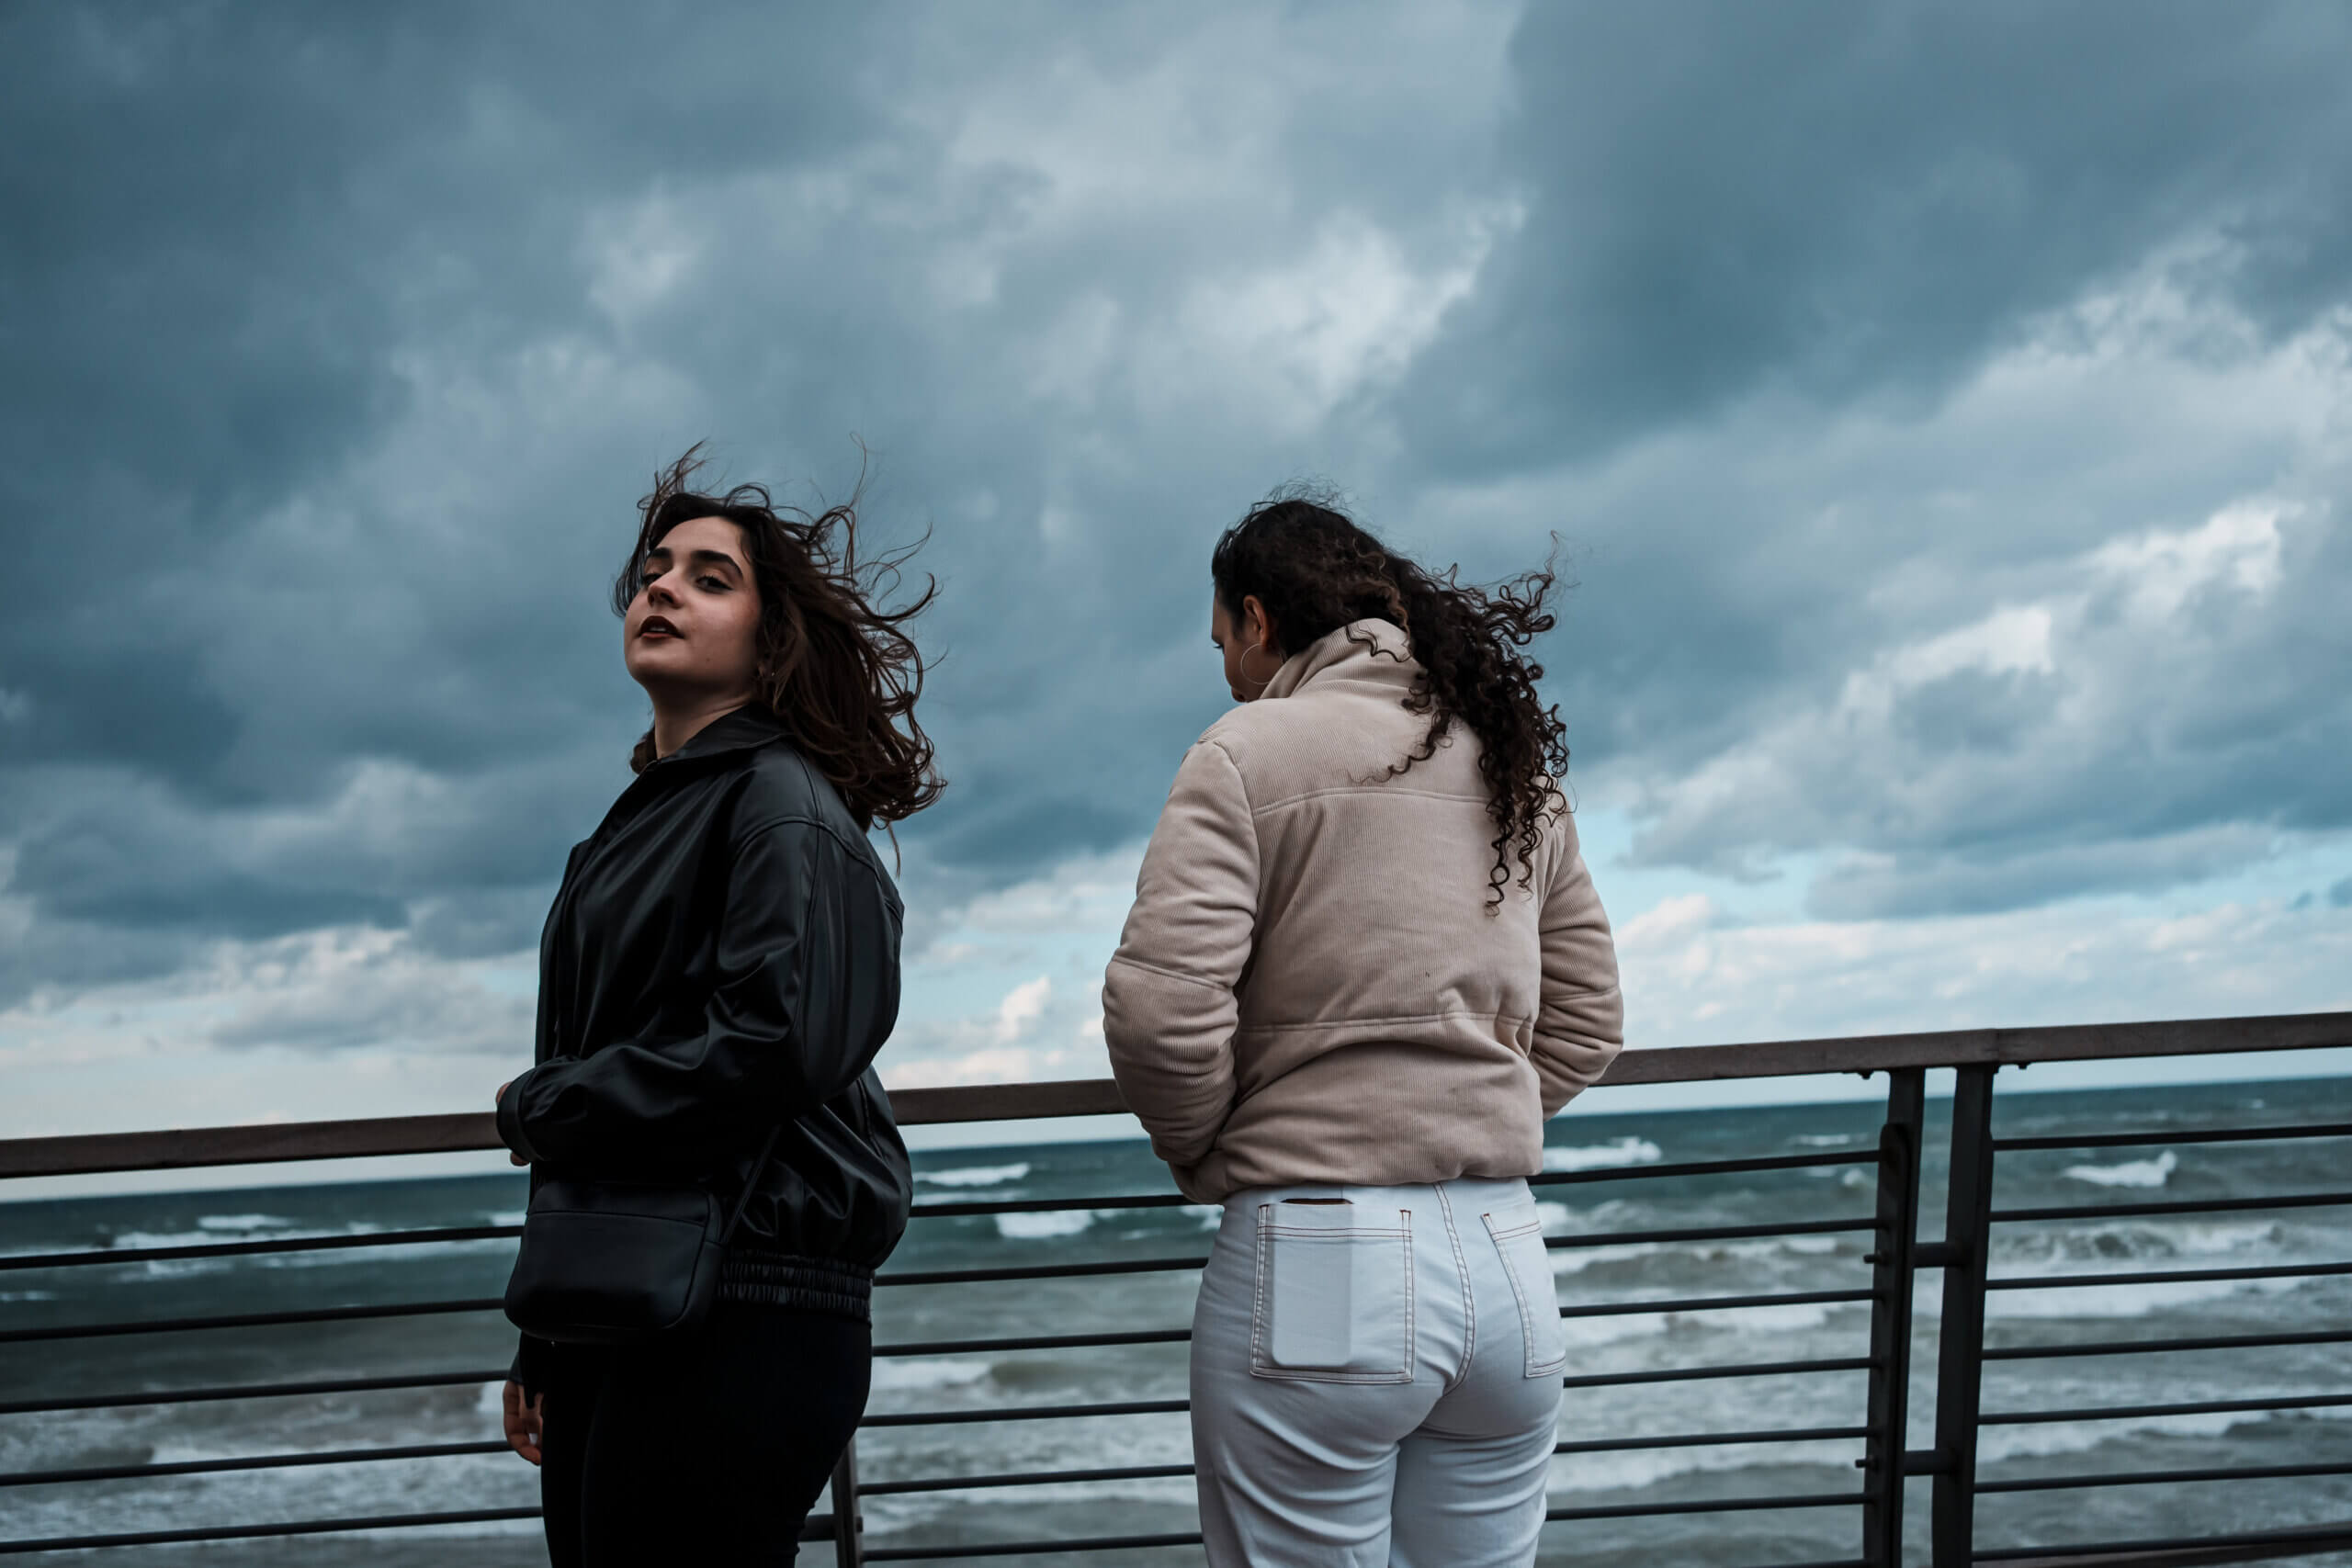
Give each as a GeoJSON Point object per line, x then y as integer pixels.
{"type": "Point", "coordinates": [1460, 1272]}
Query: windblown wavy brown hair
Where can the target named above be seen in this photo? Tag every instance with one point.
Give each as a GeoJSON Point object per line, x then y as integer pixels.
{"type": "Point", "coordinates": [1316, 571]}
{"type": "Point", "coordinates": [836, 666]}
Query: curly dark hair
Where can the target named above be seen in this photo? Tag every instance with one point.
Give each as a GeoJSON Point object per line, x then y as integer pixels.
{"type": "Point", "coordinates": [836, 667]}
{"type": "Point", "coordinates": [1316, 571]}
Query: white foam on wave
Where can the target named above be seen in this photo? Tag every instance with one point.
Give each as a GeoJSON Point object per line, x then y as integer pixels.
{"type": "Point", "coordinates": [976, 1175]}
{"type": "Point", "coordinates": [1637, 1468]}
{"type": "Point", "coordinates": [895, 1373]}
{"type": "Point", "coordinates": [505, 1216]}
{"type": "Point", "coordinates": [1211, 1216]}
{"type": "Point", "coordinates": [1628, 1150]}
{"type": "Point", "coordinates": [1576, 1259]}
{"type": "Point", "coordinates": [2131, 1173]}
{"type": "Point", "coordinates": [1044, 1226]}
{"type": "Point", "coordinates": [1827, 1140]}
{"type": "Point", "coordinates": [27, 1295]}
{"type": "Point", "coordinates": [241, 1223]}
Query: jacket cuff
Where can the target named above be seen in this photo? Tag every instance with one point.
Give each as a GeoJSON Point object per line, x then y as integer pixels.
{"type": "Point", "coordinates": [510, 1118]}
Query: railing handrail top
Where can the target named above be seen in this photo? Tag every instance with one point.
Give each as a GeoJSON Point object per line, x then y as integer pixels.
{"type": "Point", "coordinates": [89, 1153]}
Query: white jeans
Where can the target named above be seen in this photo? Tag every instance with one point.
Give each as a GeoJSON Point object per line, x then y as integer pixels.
{"type": "Point", "coordinates": [1377, 1381]}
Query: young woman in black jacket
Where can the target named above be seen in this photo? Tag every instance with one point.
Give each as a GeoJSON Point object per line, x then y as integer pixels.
{"type": "Point", "coordinates": [722, 960]}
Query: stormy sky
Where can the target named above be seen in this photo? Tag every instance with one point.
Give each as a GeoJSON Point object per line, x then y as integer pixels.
{"type": "Point", "coordinates": [1944, 414]}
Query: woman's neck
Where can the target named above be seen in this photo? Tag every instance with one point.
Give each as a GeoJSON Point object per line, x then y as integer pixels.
{"type": "Point", "coordinates": [674, 724]}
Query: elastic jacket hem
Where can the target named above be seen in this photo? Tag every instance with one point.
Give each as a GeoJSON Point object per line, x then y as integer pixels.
{"type": "Point", "coordinates": [752, 1277]}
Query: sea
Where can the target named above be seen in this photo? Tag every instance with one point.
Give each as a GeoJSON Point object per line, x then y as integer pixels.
{"type": "Point", "coordinates": [1681, 1481]}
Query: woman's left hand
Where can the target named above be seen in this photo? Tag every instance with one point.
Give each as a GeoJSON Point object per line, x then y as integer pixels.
{"type": "Point", "coordinates": [498, 1099]}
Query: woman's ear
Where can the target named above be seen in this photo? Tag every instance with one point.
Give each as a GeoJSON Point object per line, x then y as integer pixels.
{"type": "Point", "coordinates": [1258, 624]}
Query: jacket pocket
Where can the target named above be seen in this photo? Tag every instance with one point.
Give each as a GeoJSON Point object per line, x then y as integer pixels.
{"type": "Point", "coordinates": [1518, 1233]}
{"type": "Point", "coordinates": [1334, 1301]}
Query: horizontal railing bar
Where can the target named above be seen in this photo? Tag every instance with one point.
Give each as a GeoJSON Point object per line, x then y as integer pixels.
{"type": "Point", "coordinates": [2126, 1347]}
{"type": "Point", "coordinates": [130, 1400]}
{"type": "Point", "coordinates": [2169, 1276]}
{"type": "Point", "coordinates": [980, 1207]}
{"type": "Point", "coordinates": [2160, 1477]}
{"type": "Point", "coordinates": [2178, 1206]}
{"type": "Point", "coordinates": [247, 1320]}
{"type": "Point", "coordinates": [1719, 1304]}
{"type": "Point", "coordinates": [255, 1461]}
{"type": "Point", "coordinates": [816, 1528]}
{"type": "Point", "coordinates": [1710, 1505]}
{"type": "Point", "coordinates": [2317, 1535]}
{"type": "Point", "coordinates": [1866, 1154]}
{"type": "Point", "coordinates": [1159, 1471]}
{"type": "Point", "coordinates": [255, 1532]}
{"type": "Point", "coordinates": [972, 1207]}
{"type": "Point", "coordinates": [1709, 1233]}
{"type": "Point", "coordinates": [2133, 1412]}
{"type": "Point", "coordinates": [1698, 1374]}
{"type": "Point", "coordinates": [2183, 1135]}
{"type": "Point", "coordinates": [1027, 1413]}
{"type": "Point", "coordinates": [1713, 1439]}
{"type": "Point", "coordinates": [88, 1257]}
{"type": "Point", "coordinates": [1042, 1271]}
{"type": "Point", "coordinates": [1019, 1548]}
{"type": "Point", "coordinates": [1036, 1342]}
{"type": "Point", "coordinates": [182, 1148]}
{"type": "Point", "coordinates": [1030, 1478]}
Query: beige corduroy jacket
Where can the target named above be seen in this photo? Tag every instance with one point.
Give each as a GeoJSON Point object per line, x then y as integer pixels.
{"type": "Point", "coordinates": [1311, 986]}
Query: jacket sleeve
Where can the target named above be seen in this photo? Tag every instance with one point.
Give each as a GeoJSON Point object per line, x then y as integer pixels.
{"type": "Point", "coordinates": [1169, 1009]}
{"type": "Point", "coordinates": [808, 990]}
{"type": "Point", "coordinates": [1580, 1015]}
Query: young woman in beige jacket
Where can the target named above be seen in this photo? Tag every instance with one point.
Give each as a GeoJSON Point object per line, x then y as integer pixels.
{"type": "Point", "coordinates": [1365, 962]}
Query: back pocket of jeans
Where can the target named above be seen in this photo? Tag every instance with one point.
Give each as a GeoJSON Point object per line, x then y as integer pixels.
{"type": "Point", "coordinates": [1517, 1233]}
{"type": "Point", "coordinates": [1335, 1295]}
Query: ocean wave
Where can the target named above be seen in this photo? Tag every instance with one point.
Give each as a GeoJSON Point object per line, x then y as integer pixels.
{"type": "Point", "coordinates": [2076, 1301]}
{"type": "Point", "coordinates": [241, 1223]}
{"type": "Point", "coordinates": [976, 1175]}
{"type": "Point", "coordinates": [1044, 1226]}
{"type": "Point", "coordinates": [1828, 1140]}
{"type": "Point", "coordinates": [1570, 1260]}
{"type": "Point", "coordinates": [1635, 1470]}
{"type": "Point", "coordinates": [1628, 1150]}
{"type": "Point", "coordinates": [2133, 1173]}
{"type": "Point", "coordinates": [892, 1373]}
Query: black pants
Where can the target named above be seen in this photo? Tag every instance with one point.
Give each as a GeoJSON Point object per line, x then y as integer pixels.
{"type": "Point", "coordinates": [711, 1448]}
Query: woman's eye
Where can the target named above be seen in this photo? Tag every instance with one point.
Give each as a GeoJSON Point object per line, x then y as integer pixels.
{"type": "Point", "coordinates": [714, 584]}
{"type": "Point", "coordinates": [647, 579]}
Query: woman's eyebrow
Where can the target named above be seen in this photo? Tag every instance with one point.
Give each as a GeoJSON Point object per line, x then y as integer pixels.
{"type": "Point", "coordinates": [714, 557]}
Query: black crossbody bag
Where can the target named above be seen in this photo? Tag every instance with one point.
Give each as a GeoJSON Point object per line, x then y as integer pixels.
{"type": "Point", "coordinates": [617, 1262]}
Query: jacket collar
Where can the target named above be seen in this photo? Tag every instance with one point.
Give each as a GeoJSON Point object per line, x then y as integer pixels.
{"type": "Point", "coordinates": [1367, 644]}
{"type": "Point", "coordinates": [747, 728]}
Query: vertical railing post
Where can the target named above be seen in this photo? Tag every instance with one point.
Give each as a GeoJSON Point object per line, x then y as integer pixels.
{"type": "Point", "coordinates": [1959, 1361]}
{"type": "Point", "coordinates": [1889, 1400]}
{"type": "Point", "coordinates": [849, 1531]}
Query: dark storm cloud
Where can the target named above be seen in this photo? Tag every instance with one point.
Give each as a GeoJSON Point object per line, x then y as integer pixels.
{"type": "Point", "coordinates": [339, 343]}
{"type": "Point", "coordinates": [1849, 199]}
{"type": "Point", "coordinates": [1753, 233]}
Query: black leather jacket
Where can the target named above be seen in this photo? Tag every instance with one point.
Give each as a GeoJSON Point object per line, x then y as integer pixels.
{"type": "Point", "coordinates": [721, 959]}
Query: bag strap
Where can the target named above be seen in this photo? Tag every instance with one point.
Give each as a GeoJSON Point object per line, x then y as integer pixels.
{"type": "Point", "coordinates": [759, 1168]}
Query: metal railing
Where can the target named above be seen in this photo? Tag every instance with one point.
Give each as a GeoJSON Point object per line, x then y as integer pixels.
{"type": "Point", "coordinates": [1897, 1253]}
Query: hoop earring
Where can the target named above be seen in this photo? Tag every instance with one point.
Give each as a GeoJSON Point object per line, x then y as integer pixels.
{"type": "Point", "coordinates": [1244, 663]}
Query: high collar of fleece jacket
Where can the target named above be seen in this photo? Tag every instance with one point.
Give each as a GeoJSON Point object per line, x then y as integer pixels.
{"type": "Point", "coordinates": [1369, 643]}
